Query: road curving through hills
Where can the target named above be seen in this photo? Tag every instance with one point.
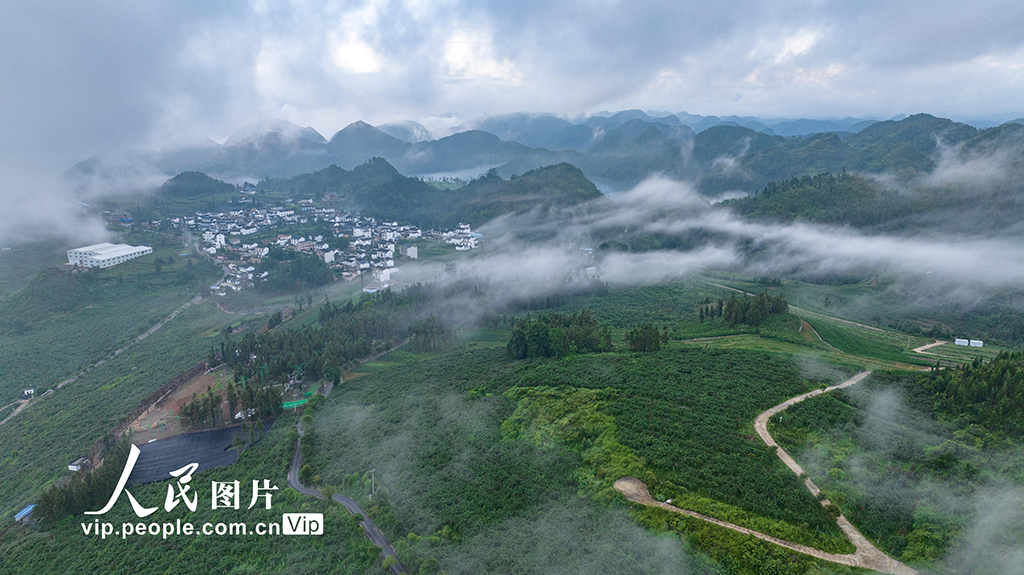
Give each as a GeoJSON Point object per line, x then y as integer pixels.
{"type": "Point", "coordinates": [866, 555]}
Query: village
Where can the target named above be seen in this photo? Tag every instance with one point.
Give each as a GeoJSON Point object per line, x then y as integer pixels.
{"type": "Point", "coordinates": [348, 243]}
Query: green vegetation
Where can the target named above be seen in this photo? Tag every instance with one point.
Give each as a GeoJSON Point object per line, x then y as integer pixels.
{"type": "Point", "coordinates": [86, 490]}
{"type": "Point", "coordinates": [291, 271]}
{"type": "Point", "coordinates": [64, 321]}
{"type": "Point", "coordinates": [825, 198]}
{"type": "Point", "coordinates": [57, 429]}
{"type": "Point", "coordinates": [686, 414]}
{"type": "Point", "coordinates": [645, 338]}
{"type": "Point", "coordinates": [916, 486]}
{"type": "Point", "coordinates": [343, 548]}
{"type": "Point", "coordinates": [856, 342]}
{"type": "Point", "coordinates": [193, 185]}
{"type": "Point", "coordinates": [344, 333]}
{"type": "Point", "coordinates": [377, 189]}
{"type": "Point", "coordinates": [256, 404]}
{"type": "Point", "coordinates": [990, 394]}
{"type": "Point", "coordinates": [558, 335]}
{"type": "Point", "coordinates": [680, 419]}
{"type": "Point", "coordinates": [752, 310]}
{"type": "Point", "coordinates": [20, 263]}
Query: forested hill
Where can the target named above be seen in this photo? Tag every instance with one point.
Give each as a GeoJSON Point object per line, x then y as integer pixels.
{"type": "Point", "coordinates": [825, 198]}
{"type": "Point", "coordinates": [377, 189]}
{"type": "Point", "coordinates": [374, 172]}
{"type": "Point", "coordinates": [620, 151]}
{"type": "Point", "coordinates": [408, 199]}
{"type": "Point", "coordinates": [192, 185]}
{"type": "Point", "coordinates": [990, 394]}
{"type": "Point", "coordinates": [865, 202]}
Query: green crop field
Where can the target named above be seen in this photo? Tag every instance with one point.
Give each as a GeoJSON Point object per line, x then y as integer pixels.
{"type": "Point", "coordinates": [63, 322]}
{"type": "Point", "coordinates": [915, 482]}
{"type": "Point", "coordinates": [59, 428]}
{"type": "Point", "coordinates": [436, 430]}
{"type": "Point", "coordinates": [865, 342]}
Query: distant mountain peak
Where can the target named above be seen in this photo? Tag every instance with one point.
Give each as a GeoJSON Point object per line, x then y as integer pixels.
{"type": "Point", "coordinates": [408, 130]}
{"type": "Point", "coordinates": [286, 129]}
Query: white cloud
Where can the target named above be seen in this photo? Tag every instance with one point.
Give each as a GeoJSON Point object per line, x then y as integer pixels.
{"type": "Point", "coordinates": [469, 55]}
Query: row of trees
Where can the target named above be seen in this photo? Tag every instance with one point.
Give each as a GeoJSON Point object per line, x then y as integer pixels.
{"type": "Point", "coordinates": [429, 335]}
{"type": "Point", "coordinates": [206, 411]}
{"type": "Point", "coordinates": [710, 310]}
{"type": "Point", "coordinates": [558, 335]}
{"type": "Point", "coordinates": [345, 333]}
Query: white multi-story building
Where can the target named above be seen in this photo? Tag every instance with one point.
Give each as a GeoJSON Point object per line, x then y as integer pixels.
{"type": "Point", "coordinates": [106, 255]}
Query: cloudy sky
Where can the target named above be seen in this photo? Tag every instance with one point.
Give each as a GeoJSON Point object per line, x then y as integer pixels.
{"type": "Point", "coordinates": [116, 74]}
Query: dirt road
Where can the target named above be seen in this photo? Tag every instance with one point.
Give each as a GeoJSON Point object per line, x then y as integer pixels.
{"type": "Point", "coordinates": [922, 349]}
{"type": "Point", "coordinates": [801, 310]}
{"type": "Point", "coordinates": [867, 555]}
{"type": "Point", "coordinates": [116, 353]}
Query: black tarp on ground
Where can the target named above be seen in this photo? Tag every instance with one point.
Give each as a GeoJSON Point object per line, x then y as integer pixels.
{"type": "Point", "coordinates": [207, 448]}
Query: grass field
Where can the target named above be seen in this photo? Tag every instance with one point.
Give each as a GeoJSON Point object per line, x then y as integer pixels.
{"type": "Point", "coordinates": [19, 264]}
{"type": "Point", "coordinates": [864, 342]}
{"type": "Point", "coordinates": [755, 343]}
{"type": "Point", "coordinates": [965, 354]}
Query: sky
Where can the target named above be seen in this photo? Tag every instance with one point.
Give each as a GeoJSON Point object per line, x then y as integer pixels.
{"type": "Point", "coordinates": [114, 75]}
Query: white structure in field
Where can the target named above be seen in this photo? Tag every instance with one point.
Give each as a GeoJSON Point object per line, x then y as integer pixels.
{"type": "Point", "coordinates": [962, 342]}
{"type": "Point", "coordinates": [977, 343]}
{"type": "Point", "coordinates": [106, 255]}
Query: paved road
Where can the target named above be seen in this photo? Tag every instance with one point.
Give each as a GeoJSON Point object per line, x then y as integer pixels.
{"type": "Point", "coordinates": [867, 555]}
{"type": "Point", "coordinates": [373, 533]}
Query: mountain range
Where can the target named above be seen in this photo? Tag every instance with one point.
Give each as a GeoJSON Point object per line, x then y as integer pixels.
{"type": "Point", "coordinates": [616, 151]}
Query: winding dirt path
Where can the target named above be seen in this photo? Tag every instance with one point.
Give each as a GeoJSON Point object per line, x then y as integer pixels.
{"type": "Point", "coordinates": [866, 556]}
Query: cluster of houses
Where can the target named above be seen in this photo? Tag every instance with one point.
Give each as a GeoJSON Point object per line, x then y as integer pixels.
{"type": "Point", "coordinates": [462, 237]}
{"type": "Point", "coordinates": [248, 221]}
{"type": "Point", "coordinates": [372, 246]}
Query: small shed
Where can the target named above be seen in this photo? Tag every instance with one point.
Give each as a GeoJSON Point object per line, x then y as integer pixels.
{"type": "Point", "coordinates": [24, 513]}
{"type": "Point", "coordinates": [962, 342]}
{"type": "Point", "coordinates": [977, 343]}
{"type": "Point", "coordinates": [77, 464]}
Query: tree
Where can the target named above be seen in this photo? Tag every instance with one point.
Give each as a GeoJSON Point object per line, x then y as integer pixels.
{"type": "Point", "coordinates": [517, 347]}
{"type": "Point", "coordinates": [327, 492]}
{"type": "Point", "coordinates": [644, 338]}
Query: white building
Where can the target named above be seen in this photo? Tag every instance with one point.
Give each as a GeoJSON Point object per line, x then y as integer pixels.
{"type": "Point", "coordinates": [106, 255]}
{"type": "Point", "coordinates": [977, 343]}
